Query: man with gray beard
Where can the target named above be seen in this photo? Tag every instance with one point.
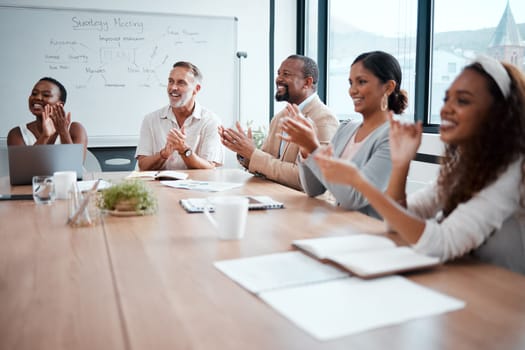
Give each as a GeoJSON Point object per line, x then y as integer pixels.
{"type": "Point", "coordinates": [182, 135]}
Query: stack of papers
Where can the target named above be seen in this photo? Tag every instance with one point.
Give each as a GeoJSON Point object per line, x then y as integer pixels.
{"type": "Point", "coordinates": [342, 307]}
{"type": "Point", "coordinates": [274, 271]}
{"type": "Point", "coordinates": [87, 185]}
{"type": "Point", "coordinates": [326, 302]}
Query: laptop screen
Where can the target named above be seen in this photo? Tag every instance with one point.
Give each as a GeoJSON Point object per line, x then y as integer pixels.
{"type": "Point", "coordinates": [28, 161]}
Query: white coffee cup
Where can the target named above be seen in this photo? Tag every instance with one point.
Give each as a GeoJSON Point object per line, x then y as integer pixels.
{"type": "Point", "coordinates": [229, 218]}
{"type": "Point", "coordinates": [64, 181]}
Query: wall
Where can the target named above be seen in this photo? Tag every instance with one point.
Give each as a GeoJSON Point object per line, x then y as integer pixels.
{"type": "Point", "coordinates": [285, 37]}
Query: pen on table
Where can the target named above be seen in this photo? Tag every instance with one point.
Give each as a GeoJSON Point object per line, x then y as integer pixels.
{"type": "Point", "coordinates": [15, 196]}
{"type": "Point", "coordinates": [84, 203]}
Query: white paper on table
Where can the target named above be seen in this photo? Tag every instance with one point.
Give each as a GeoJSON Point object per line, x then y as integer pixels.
{"type": "Point", "coordinates": [206, 186]}
{"type": "Point", "coordinates": [87, 185]}
{"type": "Point", "coordinates": [279, 270]}
{"type": "Point", "coordinates": [346, 306]}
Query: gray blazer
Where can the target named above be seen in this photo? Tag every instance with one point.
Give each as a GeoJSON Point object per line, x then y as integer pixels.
{"type": "Point", "coordinates": [373, 158]}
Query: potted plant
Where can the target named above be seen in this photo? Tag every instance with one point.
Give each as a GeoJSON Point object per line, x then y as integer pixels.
{"type": "Point", "coordinates": [258, 134]}
{"type": "Point", "coordinates": [131, 196]}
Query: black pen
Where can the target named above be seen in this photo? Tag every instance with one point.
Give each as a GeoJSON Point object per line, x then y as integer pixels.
{"type": "Point", "coordinates": [13, 197]}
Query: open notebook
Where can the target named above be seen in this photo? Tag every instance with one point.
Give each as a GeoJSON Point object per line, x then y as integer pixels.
{"type": "Point", "coordinates": [366, 255]}
{"type": "Point", "coordinates": [158, 175]}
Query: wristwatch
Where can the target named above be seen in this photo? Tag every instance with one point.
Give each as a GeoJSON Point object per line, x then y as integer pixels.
{"type": "Point", "coordinates": [187, 153]}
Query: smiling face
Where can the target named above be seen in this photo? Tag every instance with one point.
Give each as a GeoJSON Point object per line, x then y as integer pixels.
{"type": "Point", "coordinates": [182, 88]}
{"type": "Point", "coordinates": [43, 93]}
{"type": "Point", "coordinates": [290, 82]}
{"type": "Point", "coordinates": [467, 102]}
{"type": "Point", "coordinates": [366, 90]}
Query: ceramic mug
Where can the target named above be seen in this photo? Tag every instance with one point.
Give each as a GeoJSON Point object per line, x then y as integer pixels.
{"type": "Point", "coordinates": [229, 217]}
{"type": "Point", "coordinates": [64, 182]}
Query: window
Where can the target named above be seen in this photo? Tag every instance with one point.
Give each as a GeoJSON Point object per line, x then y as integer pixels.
{"type": "Point", "coordinates": [356, 27]}
{"type": "Point", "coordinates": [312, 28]}
{"type": "Point", "coordinates": [459, 37]}
{"type": "Point", "coordinates": [461, 30]}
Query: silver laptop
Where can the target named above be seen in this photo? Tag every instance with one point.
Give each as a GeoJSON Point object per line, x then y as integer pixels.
{"type": "Point", "coordinates": [28, 161]}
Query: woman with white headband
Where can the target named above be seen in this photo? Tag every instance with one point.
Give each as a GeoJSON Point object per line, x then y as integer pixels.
{"type": "Point", "coordinates": [477, 202]}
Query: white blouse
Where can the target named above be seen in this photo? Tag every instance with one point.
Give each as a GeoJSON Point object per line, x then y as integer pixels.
{"type": "Point", "coordinates": [472, 222]}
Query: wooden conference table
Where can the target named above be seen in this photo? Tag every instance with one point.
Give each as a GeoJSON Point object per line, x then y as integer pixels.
{"type": "Point", "coordinates": [149, 282]}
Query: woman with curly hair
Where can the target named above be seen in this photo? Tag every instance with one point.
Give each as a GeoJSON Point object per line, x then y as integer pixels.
{"type": "Point", "coordinates": [477, 203]}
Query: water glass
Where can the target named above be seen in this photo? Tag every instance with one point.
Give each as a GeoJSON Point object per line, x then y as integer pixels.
{"type": "Point", "coordinates": [43, 189]}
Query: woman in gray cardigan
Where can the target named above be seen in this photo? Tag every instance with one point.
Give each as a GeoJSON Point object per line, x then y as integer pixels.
{"type": "Point", "coordinates": [375, 80]}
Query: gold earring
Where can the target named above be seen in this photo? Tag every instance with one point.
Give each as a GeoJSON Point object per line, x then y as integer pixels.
{"type": "Point", "coordinates": [384, 102]}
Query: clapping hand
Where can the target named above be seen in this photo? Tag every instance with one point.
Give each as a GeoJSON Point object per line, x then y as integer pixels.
{"type": "Point", "coordinates": [405, 140]}
{"type": "Point", "coordinates": [299, 130]}
{"type": "Point", "coordinates": [238, 141]}
{"type": "Point", "coordinates": [335, 170]}
{"type": "Point", "coordinates": [176, 141]}
{"type": "Point", "coordinates": [61, 119]}
{"type": "Point", "coordinates": [48, 124]}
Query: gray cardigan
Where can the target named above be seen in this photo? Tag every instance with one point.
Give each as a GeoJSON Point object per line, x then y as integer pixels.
{"type": "Point", "coordinates": [373, 158]}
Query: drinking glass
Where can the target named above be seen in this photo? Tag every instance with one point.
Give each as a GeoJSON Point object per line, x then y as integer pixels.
{"type": "Point", "coordinates": [43, 189]}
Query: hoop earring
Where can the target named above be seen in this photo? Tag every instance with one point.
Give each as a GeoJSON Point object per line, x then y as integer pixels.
{"type": "Point", "coordinates": [384, 102]}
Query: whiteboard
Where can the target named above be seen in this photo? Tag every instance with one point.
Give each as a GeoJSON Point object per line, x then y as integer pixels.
{"type": "Point", "coordinates": [114, 64]}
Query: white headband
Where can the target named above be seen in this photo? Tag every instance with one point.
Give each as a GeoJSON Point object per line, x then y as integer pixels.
{"type": "Point", "coordinates": [495, 69]}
